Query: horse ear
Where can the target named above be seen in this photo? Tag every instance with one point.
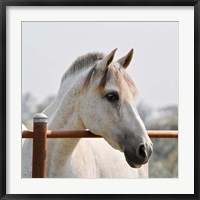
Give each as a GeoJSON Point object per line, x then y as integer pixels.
{"type": "Point", "coordinates": [125, 61]}
{"type": "Point", "coordinates": [103, 65]}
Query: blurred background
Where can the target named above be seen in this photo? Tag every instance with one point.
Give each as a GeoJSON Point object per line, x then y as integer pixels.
{"type": "Point", "coordinates": [48, 49]}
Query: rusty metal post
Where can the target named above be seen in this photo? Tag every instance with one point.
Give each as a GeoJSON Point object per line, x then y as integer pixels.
{"type": "Point", "coordinates": [39, 146]}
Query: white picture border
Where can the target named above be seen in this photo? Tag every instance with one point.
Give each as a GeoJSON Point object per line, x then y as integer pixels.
{"type": "Point", "coordinates": [184, 184]}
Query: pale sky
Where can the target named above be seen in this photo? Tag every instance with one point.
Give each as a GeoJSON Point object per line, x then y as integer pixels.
{"type": "Point", "coordinates": [48, 49]}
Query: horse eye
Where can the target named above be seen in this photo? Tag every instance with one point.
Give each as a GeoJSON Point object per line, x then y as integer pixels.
{"type": "Point", "coordinates": [112, 97]}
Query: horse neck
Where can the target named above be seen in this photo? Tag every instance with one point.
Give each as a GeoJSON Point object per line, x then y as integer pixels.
{"type": "Point", "coordinates": [63, 112]}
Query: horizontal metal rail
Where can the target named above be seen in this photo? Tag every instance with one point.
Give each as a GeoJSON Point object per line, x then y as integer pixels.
{"type": "Point", "coordinates": [88, 134]}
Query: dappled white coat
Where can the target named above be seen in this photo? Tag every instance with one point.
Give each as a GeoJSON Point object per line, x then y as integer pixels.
{"type": "Point", "coordinates": [75, 108]}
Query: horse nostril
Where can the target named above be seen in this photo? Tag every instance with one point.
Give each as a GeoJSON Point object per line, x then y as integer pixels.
{"type": "Point", "coordinates": [142, 153]}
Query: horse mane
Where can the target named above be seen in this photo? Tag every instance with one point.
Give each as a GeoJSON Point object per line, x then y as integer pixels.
{"type": "Point", "coordinates": [82, 62]}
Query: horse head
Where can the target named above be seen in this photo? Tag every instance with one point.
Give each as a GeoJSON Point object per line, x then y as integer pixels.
{"type": "Point", "coordinates": [108, 109]}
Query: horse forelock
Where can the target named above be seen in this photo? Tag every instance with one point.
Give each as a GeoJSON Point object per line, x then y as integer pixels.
{"type": "Point", "coordinates": [82, 62]}
{"type": "Point", "coordinates": [121, 77]}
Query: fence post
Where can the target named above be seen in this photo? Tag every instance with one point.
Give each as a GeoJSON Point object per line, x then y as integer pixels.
{"type": "Point", "coordinates": [39, 146]}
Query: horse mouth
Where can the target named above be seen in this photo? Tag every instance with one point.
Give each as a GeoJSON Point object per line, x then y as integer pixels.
{"type": "Point", "coordinates": [133, 164]}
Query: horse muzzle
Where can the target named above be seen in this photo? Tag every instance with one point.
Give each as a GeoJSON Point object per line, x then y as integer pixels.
{"type": "Point", "coordinates": [136, 157]}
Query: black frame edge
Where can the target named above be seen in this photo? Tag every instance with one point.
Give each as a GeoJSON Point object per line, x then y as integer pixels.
{"type": "Point", "coordinates": [3, 100]}
{"type": "Point", "coordinates": [196, 96]}
{"type": "Point", "coordinates": [100, 196]}
{"type": "Point", "coordinates": [3, 4]}
{"type": "Point", "coordinates": [100, 2]}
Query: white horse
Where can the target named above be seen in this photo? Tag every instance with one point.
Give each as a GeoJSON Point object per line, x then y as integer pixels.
{"type": "Point", "coordinates": [96, 93]}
